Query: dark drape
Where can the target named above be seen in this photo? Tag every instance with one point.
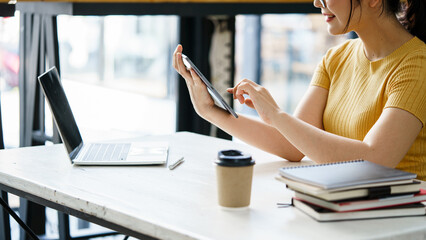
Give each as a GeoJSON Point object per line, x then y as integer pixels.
{"type": "Point", "coordinates": [195, 36]}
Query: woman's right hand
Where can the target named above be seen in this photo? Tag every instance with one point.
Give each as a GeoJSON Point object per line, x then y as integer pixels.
{"type": "Point", "coordinates": [200, 98]}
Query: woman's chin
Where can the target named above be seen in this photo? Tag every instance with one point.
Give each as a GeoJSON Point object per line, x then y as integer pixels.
{"type": "Point", "coordinates": [335, 31]}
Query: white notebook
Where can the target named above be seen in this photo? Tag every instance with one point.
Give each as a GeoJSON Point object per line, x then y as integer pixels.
{"type": "Point", "coordinates": [344, 174]}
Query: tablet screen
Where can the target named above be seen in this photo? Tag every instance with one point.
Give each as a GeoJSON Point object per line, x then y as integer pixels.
{"type": "Point", "coordinates": [215, 95]}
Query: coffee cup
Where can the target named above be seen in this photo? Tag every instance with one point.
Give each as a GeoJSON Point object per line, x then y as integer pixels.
{"type": "Point", "coordinates": [234, 172]}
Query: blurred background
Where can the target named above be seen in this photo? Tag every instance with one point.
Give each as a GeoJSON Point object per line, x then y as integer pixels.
{"type": "Point", "coordinates": [117, 71]}
{"type": "Point", "coordinates": [118, 76]}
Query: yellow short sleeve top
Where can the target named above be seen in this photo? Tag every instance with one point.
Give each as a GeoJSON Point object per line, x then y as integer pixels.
{"type": "Point", "coordinates": [359, 90]}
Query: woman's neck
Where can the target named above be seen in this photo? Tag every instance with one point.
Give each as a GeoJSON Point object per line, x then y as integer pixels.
{"type": "Point", "coordinates": [382, 37]}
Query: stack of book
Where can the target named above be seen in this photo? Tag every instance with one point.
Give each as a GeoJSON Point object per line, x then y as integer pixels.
{"type": "Point", "coordinates": [354, 190]}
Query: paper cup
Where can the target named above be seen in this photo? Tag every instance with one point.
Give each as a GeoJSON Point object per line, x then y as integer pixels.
{"type": "Point", "coordinates": [234, 173]}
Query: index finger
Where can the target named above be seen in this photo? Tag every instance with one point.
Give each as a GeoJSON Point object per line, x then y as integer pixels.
{"type": "Point", "coordinates": [240, 90]}
{"type": "Point", "coordinates": [236, 87]}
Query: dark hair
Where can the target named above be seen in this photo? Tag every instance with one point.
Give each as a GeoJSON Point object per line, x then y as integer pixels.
{"type": "Point", "coordinates": [411, 14]}
{"type": "Point", "coordinates": [350, 17]}
{"type": "Point", "coordinates": [413, 17]}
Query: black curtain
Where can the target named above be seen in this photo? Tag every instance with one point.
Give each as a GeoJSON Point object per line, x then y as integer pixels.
{"type": "Point", "coordinates": [195, 36]}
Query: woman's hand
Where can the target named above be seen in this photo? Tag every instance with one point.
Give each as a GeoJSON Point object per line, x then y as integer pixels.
{"type": "Point", "coordinates": [259, 98]}
{"type": "Point", "coordinates": [200, 98]}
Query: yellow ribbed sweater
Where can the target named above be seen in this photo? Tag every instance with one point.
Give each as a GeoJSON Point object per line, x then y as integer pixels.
{"type": "Point", "coordinates": [360, 89]}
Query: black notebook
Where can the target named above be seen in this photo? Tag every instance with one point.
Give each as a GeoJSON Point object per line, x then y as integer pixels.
{"type": "Point", "coordinates": [344, 174]}
{"type": "Point", "coordinates": [358, 192]}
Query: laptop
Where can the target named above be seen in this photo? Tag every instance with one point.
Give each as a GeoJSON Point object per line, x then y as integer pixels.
{"type": "Point", "coordinates": [80, 153]}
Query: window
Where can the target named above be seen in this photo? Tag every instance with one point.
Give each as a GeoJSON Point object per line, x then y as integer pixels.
{"type": "Point", "coordinates": [117, 74]}
{"type": "Point", "coordinates": [9, 67]}
{"type": "Point", "coordinates": [289, 46]}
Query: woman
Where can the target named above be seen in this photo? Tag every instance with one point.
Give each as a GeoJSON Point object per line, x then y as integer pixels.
{"type": "Point", "coordinates": [367, 98]}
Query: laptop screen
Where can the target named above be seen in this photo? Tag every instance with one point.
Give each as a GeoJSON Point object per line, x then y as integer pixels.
{"type": "Point", "coordinates": [61, 111]}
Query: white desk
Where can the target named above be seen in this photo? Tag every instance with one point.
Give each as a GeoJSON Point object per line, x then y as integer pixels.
{"type": "Point", "coordinates": [179, 204]}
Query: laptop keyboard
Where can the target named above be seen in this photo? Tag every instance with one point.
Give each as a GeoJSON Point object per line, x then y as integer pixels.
{"type": "Point", "coordinates": [107, 152]}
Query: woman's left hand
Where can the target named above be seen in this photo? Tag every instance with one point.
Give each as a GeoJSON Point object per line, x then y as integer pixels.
{"type": "Point", "coordinates": [258, 98]}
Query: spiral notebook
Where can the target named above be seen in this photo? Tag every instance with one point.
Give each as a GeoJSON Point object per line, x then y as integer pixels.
{"type": "Point", "coordinates": [344, 174]}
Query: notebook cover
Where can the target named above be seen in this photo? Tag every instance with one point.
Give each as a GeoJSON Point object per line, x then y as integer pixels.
{"type": "Point", "coordinates": [344, 174]}
{"type": "Point", "coordinates": [360, 193]}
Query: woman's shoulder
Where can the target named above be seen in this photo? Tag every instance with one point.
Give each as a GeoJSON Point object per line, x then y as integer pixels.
{"type": "Point", "coordinates": [418, 44]}
{"type": "Point", "coordinates": [415, 48]}
{"type": "Point", "coordinates": [409, 66]}
{"type": "Point", "coordinates": [413, 54]}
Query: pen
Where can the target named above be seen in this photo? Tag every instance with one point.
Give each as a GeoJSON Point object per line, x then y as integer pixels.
{"type": "Point", "coordinates": [177, 163]}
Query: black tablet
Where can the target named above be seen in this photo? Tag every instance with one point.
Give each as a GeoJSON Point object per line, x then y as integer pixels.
{"type": "Point", "coordinates": [215, 95]}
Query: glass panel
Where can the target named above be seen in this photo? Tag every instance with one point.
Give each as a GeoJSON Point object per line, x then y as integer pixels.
{"type": "Point", "coordinates": [291, 45]}
{"type": "Point", "coordinates": [9, 68]}
{"type": "Point", "coordinates": [117, 73]}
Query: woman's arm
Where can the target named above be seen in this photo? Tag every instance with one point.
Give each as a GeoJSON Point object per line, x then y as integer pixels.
{"type": "Point", "coordinates": [268, 138]}
{"type": "Point", "coordinates": [251, 131]}
{"type": "Point", "coordinates": [386, 143]}
{"type": "Point", "coordinates": [255, 133]}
